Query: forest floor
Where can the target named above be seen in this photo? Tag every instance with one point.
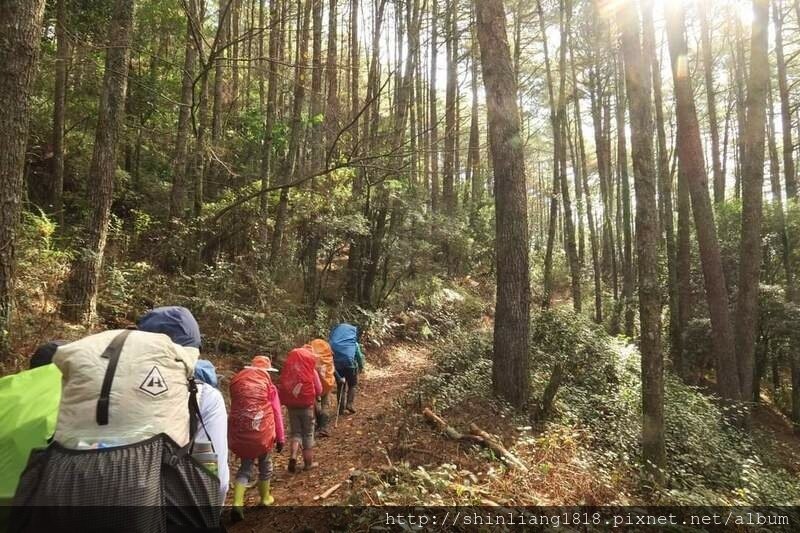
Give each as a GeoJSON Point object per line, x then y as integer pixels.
{"type": "Point", "coordinates": [359, 441]}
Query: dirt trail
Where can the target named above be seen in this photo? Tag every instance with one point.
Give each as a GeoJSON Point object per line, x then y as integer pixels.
{"type": "Point", "coordinates": [359, 440]}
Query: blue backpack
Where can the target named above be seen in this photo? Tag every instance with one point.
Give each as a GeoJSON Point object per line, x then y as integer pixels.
{"type": "Point", "coordinates": [343, 340]}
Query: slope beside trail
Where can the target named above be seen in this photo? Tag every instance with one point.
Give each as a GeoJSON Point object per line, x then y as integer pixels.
{"type": "Point", "coordinates": [357, 443]}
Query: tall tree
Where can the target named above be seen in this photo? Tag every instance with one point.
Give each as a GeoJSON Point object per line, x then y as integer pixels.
{"type": "Point", "coordinates": [583, 185]}
{"type": "Point", "coordinates": [624, 198]}
{"type": "Point", "coordinates": [510, 369]}
{"type": "Point", "coordinates": [637, 78]}
{"type": "Point", "coordinates": [20, 27]}
{"type": "Point", "coordinates": [433, 111]}
{"type": "Point", "coordinates": [59, 110]}
{"type": "Point", "coordinates": [711, 101]}
{"type": "Point", "coordinates": [179, 161]}
{"type": "Point", "coordinates": [691, 162]}
{"type": "Point", "coordinates": [267, 161]}
{"type": "Point", "coordinates": [569, 224]}
{"type": "Point", "coordinates": [665, 191]}
{"type": "Point", "coordinates": [474, 151]}
{"type": "Point", "coordinates": [80, 298]}
{"type": "Point", "coordinates": [290, 163]}
{"type": "Point", "coordinates": [752, 199]}
{"type": "Point", "coordinates": [448, 170]}
{"type": "Point", "coordinates": [786, 106]}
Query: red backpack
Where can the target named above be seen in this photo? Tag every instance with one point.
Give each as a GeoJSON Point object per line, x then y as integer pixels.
{"type": "Point", "coordinates": [296, 387]}
{"type": "Point", "coordinates": [251, 422]}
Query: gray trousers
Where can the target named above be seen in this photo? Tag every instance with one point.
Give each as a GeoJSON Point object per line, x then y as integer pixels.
{"type": "Point", "coordinates": [264, 469]}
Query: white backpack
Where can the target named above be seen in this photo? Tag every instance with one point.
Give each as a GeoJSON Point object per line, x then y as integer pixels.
{"type": "Point", "coordinates": [111, 399]}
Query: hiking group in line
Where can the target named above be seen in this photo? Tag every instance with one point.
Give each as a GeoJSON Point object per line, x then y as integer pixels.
{"type": "Point", "coordinates": [140, 404]}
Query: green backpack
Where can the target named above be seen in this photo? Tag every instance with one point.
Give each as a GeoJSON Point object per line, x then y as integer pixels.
{"type": "Point", "coordinates": [29, 409]}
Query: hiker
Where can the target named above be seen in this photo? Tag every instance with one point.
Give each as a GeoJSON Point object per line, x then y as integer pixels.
{"type": "Point", "coordinates": [215, 418]}
{"type": "Point", "coordinates": [348, 359]}
{"type": "Point", "coordinates": [128, 421]}
{"type": "Point", "coordinates": [180, 326]}
{"type": "Point", "coordinates": [29, 409]}
{"type": "Point", "coordinates": [299, 388]}
{"type": "Point", "coordinates": [254, 428]}
{"type": "Point", "coordinates": [328, 377]}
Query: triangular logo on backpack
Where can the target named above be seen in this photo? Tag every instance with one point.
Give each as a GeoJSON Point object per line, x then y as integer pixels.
{"type": "Point", "coordinates": [154, 383]}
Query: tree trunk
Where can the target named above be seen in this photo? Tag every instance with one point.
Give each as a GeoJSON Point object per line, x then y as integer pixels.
{"type": "Point", "coordinates": [267, 160]}
{"type": "Point", "coordinates": [80, 298]}
{"type": "Point", "coordinates": [569, 225]}
{"type": "Point", "coordinates": [752, 199]}
{"type": "Point", "coordinates": [311, 234]}
{"type": "Point", "coordinates": [59, 111]}
{"type": "Point", "coordinates": [740, 75]}
{"type": "Point", "coordinates": [223, 31]}
{"type": "Point", "coordinates": [332, 80]}
{"type": "Point", "coordinates": [448, 174]}
{"type": "Point", "coordinates": [665, 194]}
{"type": "Point", "coordinates": [777, 202]}
{"type": "Point", "coordinates": [582, 181]}
{"type": "Point", "coordinates": [560, 184]}
{"type": "Point", "coordinates": [637, 78]}
{"type": "Point", "coordinates": [434, 114]}
{"type": "Point", "coordinates": [625, 200]}
{"type": "Point", "coordinates": [353, 288]}
{"type": "Point", "coordinates": [20, 30]}
{"type": "Point", "coordinates": [786, 114]}
{"type": "Point", "coordinates": [289, 167]}
{"type": "Point", "coordinates": [474, 150]}
{"type": "Point", "coordinates": [690, 157]}
{"type": "Point", "coordinates": [708, 70]}
{"type": "Point", "coordinates": [510, 369]}
{"type": "Point", "coordinates": [178, 193]}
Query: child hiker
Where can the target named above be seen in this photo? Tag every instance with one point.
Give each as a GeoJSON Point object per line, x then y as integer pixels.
{"type": "Point", "coordinates": [299, 388]}
{"type": "Point", "coordinates": [255, 426]}
{"type": "Point", "coordinates": [327, 374]}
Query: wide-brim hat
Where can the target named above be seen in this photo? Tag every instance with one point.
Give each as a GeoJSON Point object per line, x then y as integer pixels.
{"type": "Point", "coordinates": [263, 362]}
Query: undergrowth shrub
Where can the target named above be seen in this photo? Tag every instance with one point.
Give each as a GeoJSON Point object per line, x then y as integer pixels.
{"type": "Point", "coordinates": [709, 462]}
{"type": "Point", "coordinates": [432, 307]}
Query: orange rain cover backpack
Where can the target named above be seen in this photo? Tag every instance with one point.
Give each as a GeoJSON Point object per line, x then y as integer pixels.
{"type": "Point", "coordinates": [322, 351]}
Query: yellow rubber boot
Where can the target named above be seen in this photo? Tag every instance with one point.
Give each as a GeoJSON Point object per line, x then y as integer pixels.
{"type": "Point", "coordinates": [237, 513]}
{"type": "Point", "coordinates": [263, 490]}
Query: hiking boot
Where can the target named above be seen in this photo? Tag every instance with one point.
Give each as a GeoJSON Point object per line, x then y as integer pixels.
{"type": "Point", "coordinates": [308, 460]}
{"type": "Point", "coordinates": [292, 465]}
{"type": "Point", "coordinates": [351, 398]}
{"type": "Point", "coordinates": [237, 511]}
{"type": "Point", "coordinates": [323, 432]}
{"type": "Point", "coordinates": [263, 491]}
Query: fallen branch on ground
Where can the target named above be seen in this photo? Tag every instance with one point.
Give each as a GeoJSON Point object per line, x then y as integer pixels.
{"type": "Point", "coordinates": [328, 492]}
{"type": "Point", "coordinates": [498, 448]}
{"type": "Point", "coordinates": [451, 432]}
{"type": "Point", "coordinates": [476, 436]}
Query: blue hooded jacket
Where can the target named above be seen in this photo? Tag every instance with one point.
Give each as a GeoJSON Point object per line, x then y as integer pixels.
{"type": "Point", "coordinates": [204, 371]}
{"type": "Point", "coordinates": [176, 322]}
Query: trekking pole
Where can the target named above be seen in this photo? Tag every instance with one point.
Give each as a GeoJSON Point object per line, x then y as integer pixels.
{"type": "Point", "coordinates": [339, 405]}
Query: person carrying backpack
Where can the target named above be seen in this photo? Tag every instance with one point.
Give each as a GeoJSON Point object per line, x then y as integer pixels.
{"type": "Point", "coordinates": [180, 326]}
{"type": "Point", "coordinates": [299, 388]}
{"type": "Point", "coordinates": [255, 428]}
{"type": "Point", "coordinates": [328, 377]}
{"type": "Point", "coordinates": [126, 435]}
{"type": "Point", "coordinates": [348, 358]}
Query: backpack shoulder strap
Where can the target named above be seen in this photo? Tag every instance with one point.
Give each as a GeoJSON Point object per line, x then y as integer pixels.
{"type": "Point", "coordinates": [112, 353]}
{"type": "Point", "coordinates": [195, 417]}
